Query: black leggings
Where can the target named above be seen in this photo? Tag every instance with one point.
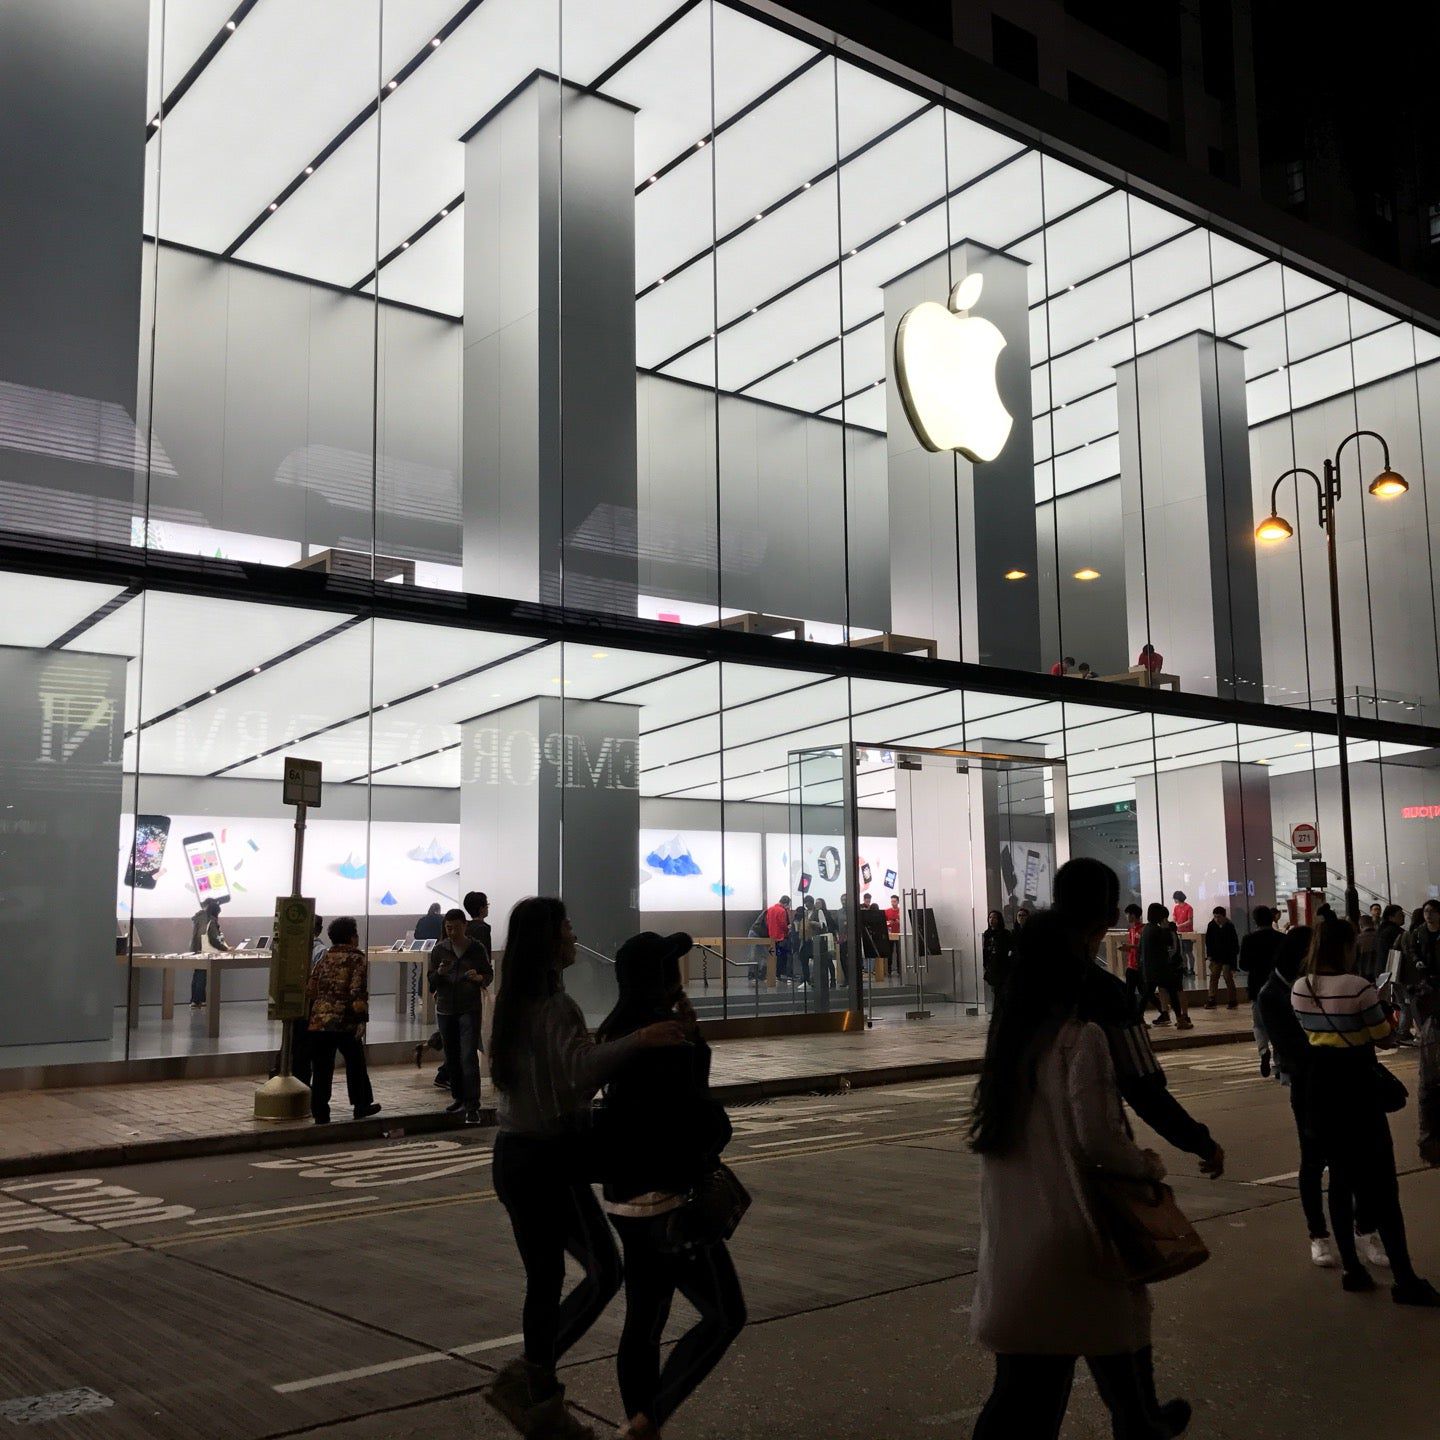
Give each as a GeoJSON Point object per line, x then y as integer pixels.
{"type": "Point", "coordinates": [1313, 1163]}
{"type": "Point", "coordinates": [1362, 1165]}
{"type": "Point", "coordinates": [708, 1281]}
{"type": "Point", "coordinates": [1031, 1393]}
{"type": "Point", "coordinates": [553, 1211]}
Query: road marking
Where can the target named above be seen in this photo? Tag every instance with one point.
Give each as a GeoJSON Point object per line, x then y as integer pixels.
{"type": "Point", "coordinates": [952, 1417]}
{"type": "Point", "coordinates": [282, 1210]}
{"type": "Point", "coordinates": [386, 1367]}
{"type": "Point", "coordinates": [803, 1140]}
{"type": "Point", "coordinates": [11, 1249]}
{"type": "Point", "coordinates": [1275, 1179]}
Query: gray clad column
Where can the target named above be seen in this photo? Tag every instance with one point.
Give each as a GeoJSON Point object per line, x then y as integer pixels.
{"type": "Point", "coordinates": [550, 805]}
{"type": "Point", "coordinates": [957, 526]}
{"type": "Point", "coordinates": [1207, 831]}
{"type": "Point", "coordinates": [72, 180]}
{"type": "Point", "coordinates": [549, 455]}
{"type": "Point", "coordinates": [1188, 514]}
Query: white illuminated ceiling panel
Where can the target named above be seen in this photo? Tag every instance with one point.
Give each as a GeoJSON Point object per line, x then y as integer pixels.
{"type": "Point", "coordinates": [866, 409]}
{"type": "Point", "coordinates": [431, 273]}
{"type": "Point", "coordinates": [36, 610]}
{"type": "Point", "coordinates": [293, 74]}
{"type": "Point", "coordinates": [179, 34]}
{"type": "Point", "coordinates": [865, 274]}
{"type": "Point", "coordinates": [805, 317]}
{"type": "Point", "coordinates": [1088, 241]}
{"type": "Point", "coordinates": [1092, 308]}
{"type": "Point", "coordinates": [893, 179]}
{"type": "Point", "coordinates": [789, 244]}
{"type": "Point", "coordinates": [1179, 267]}
{"type": "Point", "coordinates": [1001, 208]}
{"type": "Point", "coordinates": [675, 314]}
{"type": "Point", "coordinates": [811, 383]}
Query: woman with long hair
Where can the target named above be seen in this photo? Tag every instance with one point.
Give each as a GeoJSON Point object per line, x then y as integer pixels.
{"type": "Point", "coordinates": [1048, 1113]}
{"type": "Point", "coordinates": [1343, 1021]}
{"type": "Point", "coordinates": [547, 1069]}
{"type": "Point", "coordinates": [663, 1135]}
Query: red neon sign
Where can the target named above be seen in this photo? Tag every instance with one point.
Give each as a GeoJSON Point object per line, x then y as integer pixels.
{"type": "Point", "coordinates": [1420, 812]}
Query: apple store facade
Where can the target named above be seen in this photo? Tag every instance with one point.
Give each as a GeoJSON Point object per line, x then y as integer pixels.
{"type": "Point", "coordinates": [650, 451]}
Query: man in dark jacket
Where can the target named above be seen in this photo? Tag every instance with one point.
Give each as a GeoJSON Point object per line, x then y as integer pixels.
{"type": "Point", "coordinates": [459, 971]}
{"type": "Point", "coordinates": [1257, 960]}
{"type": "Point", "coordinates": [1222, 948]}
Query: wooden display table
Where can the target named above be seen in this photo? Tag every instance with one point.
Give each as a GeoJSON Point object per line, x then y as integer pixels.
{"type": "Point", "coordinates": [896, 644]}
{"type": "Point", "coordinates": [215, 967]}
{"type": "Point", "coordinates": [754, 622]}
{"type": "Point", "coordinates": [1115, 944]}
{"type": "Point", "coordinates": [1146, 679]}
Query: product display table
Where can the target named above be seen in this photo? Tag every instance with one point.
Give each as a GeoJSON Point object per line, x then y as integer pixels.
{"type": "Point", "coordinates": [214, 966]}
{"type": "Point", "coordinates": [1115, 941]}
{"type": "Point", "coordinates": [896, 644]}
{"type": "Point", "coordinates": [410, 967]}
{"type": "Point", "coordinates": [1146, 679]}
{"type": "Point", "coordinates": [753, 622]}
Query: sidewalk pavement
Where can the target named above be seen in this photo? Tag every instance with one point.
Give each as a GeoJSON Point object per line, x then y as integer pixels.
{"type": "Point", "coordinates": [106, 1125]}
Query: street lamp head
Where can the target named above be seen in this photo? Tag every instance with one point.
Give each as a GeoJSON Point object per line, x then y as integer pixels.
{"type": "Point", "coordinates": [1388, 484]}
{"type": "Point", "coordinates": [1273, 529]}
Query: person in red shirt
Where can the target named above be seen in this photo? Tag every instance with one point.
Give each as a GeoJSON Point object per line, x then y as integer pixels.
{"type": "Point", "coordinates": [777, 928]}
{"type": "Point", "coordinates": [1183, 916]}
{"type": "Point", "coordinates": [1134, 925]}
{"type": "Point", "coordinates": [1063, 667]}
{"type": "Point", "coordinates": [892, 915]}
{"type": "Point", "coordinates": [1150, 659]}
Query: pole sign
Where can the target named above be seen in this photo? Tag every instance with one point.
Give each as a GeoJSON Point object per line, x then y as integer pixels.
{"type": "Point", "coordinates": [1311, 875]}
{"type": "Point", "coordinates": [302, 782]}
{"type": "Point", "coordinates": [1305, 838]}
{"type": "Point", "coordinates": [290, 957]}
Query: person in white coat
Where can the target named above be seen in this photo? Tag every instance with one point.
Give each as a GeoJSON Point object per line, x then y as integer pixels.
{"type": "Point", "coordinates": [1047, 1115]}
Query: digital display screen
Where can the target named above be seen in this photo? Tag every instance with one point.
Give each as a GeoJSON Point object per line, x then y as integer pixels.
{"type": "Point", "coordinates": [151, 833]}
{"type": "Point", "coordinates": [206, 870]}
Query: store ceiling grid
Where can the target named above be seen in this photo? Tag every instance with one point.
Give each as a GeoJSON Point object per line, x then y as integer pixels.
{"type": "Point", "coordinates": [384, 702]}
{"type": "Point", "coordinates": [787, 276]}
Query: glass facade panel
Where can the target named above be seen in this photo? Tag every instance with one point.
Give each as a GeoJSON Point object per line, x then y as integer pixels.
{"type": "Point", "coordinates": [557, 418]}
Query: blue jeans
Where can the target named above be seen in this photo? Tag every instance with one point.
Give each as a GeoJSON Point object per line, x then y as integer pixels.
{"type": "Point", "coordinates": [461, 1037]}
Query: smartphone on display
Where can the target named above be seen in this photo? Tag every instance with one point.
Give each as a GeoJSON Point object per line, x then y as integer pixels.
{"type": "Point", "coordinates": [147, 851]}
{"type": "Point", "coordinates": [263, 943]}
{"type": "Point", "coordinates": [866, 873]}
{"type": "Point", "coordinates": [806, 880]}
{"type": "Point", "coordinates": [207, 870]}
{"type": "Point", "coordinates": [890, 878]}
{"type": "Point", "coordinates": [1032, 875]}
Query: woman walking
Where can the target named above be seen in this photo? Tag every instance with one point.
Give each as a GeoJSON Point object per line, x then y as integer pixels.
{"type": "Point", "coordinates": [1343, 1021]}
{"type": "Point", "coordinates": [338, 996]}
{"type": "Point", "coordinates": [663, 1135]}
{"type": "Point", "coordinates": [547, 1069]}
{"type": "Point", "coordinates": [1047, 1114]}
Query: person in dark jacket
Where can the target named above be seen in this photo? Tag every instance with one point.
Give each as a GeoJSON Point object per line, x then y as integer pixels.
{"type": "Point", "coordinates": [339, 1002]}
{"type": "Point", "coordinates": [205, 939]}
{"type": "Point", "coordinates": [1257, 960]}
{"type": "Point", "coordinates": [1222, 949]}
{"type": "Point", "coordinates": [995, 945]}
{"type": "Point", "coordinates": [1162, 968]}
{"type": "Point", "coordinates": [663, 1134]}
{"type": "Point", "coordinates": [431, 925]}
{"type": "Point", "coordinates": [458, 975]}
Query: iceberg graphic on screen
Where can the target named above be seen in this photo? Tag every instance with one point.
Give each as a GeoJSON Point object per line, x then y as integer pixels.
{"type": "Point", "coordinates": [388, 899]}
{"type": "Point", "coordinates": [721, 890]}
{"type": "Point", "coordinates": [352, 867]}
{"type": "Point", "coordinates": [673, 858]}
{"type": "Point", "coordinates": [432, 854]}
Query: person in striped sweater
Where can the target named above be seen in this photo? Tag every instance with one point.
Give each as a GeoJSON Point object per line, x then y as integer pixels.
{"type": "Point", "coordinates": [1343, 1021]}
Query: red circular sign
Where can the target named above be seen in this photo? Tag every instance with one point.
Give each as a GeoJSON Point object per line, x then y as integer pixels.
{"type": "Point", "coordinates": [1304, 838]}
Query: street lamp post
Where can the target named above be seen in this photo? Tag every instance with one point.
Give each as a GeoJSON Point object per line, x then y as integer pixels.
{"type": "Point", "coordinates": [1387, 485]}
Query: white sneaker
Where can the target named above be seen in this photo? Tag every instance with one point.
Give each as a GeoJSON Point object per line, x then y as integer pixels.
{"type": "Point", "coordinates": [1372, 1252]}
{"type": "Point", "coordinates": [1324, 1254]}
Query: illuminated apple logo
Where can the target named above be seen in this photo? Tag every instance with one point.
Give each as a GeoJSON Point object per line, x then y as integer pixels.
{"type": "Point", "coordinates": [945, 362]}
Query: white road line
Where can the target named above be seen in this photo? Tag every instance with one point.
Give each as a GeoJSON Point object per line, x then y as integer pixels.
{"type": "Point", "coordinates": [10, 1249]}
{"type": "Point", "coordinates": [1276, 1179]}
{"type": "Point", "coordinates": [806, 1139]}
{"type": "Point", "coordinates": [281, 1210]}
{"type": "Point", "coordinates": [364, 1372]}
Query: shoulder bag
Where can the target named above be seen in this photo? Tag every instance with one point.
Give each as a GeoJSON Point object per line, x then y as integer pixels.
{"type": "Point", "coordinates": [1389, 1088]}
{"type": "Point", "coordinates": [1148, 1235]}
{"type": "Point", "coordinates": [710, 1215]}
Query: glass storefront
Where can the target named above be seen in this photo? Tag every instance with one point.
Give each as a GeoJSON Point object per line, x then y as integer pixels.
{"type": "Point", "coordinates": [502, 403]}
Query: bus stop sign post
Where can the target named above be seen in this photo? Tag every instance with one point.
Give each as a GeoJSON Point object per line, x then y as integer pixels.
{"type": "Point", "coordinates": [283, 1097]}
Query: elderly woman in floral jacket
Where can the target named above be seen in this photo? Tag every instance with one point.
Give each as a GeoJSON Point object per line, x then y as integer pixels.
{"type": "Point", "coordinates": [339, 1004]}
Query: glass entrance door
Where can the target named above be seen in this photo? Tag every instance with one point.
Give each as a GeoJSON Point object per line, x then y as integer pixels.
{"type": "Point", "coordinates": [974, 833]}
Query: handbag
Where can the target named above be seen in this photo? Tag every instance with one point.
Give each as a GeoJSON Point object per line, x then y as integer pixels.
{"type": "Point", "coordinates": [1147, 1234]}
{"type": "Point", "coordinates": [710, 1214]}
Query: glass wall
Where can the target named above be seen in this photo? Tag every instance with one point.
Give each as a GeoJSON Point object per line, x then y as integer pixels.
{"type": "Point", "coordinates": [598, 308]}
